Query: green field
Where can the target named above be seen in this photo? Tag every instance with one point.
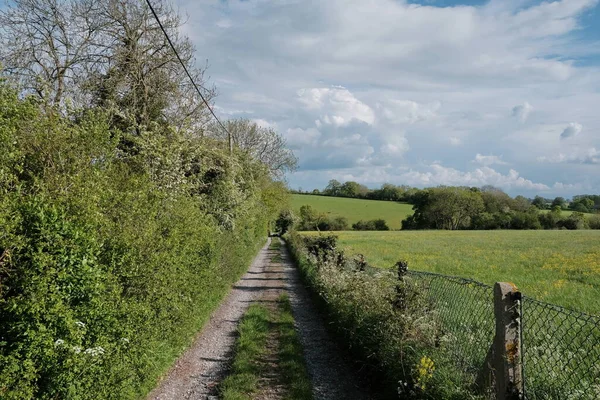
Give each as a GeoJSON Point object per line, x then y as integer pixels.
{"type": "Point", "coordinates": [355, 209]}
{"type": "Point", "coordinates": [561, 267]}
{"type": "Point", "coordinates": [566, 213]}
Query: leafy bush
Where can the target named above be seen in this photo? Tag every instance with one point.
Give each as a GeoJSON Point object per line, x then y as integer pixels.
{"type": "Point", "coordinates": [392, 341]}
{"type": "Point", "coordinates": [333, 224]}
{"type": "Point", "coordinates": [373, 225]}
{"type": "Point", "coordinates": [551, 220]}
{"type": "Point", "coordinates": [311, 220]}
{"type": "Point", "coordinates": [285, 221]}
{"type": "Point", "coordinates": [525, 220]}
{"type": "Point", "coordinates": [594, 221]}
{"type": "Point", "coordinates": [110, 262]}
{"type": "Point", "coordinates": [574, 221]}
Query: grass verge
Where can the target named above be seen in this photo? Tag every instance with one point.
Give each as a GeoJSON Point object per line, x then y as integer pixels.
{"type": "Point", "coordinates": [250, 346]}
{"type": "Point", "coordinates": [291, 358]}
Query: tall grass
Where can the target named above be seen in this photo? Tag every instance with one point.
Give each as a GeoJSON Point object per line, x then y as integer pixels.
{"type": "Point", "coordinates": [400, 346]}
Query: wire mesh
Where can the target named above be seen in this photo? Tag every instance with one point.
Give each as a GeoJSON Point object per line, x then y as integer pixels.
{"type": "Point", "coordinates": [560, 347]}
{"type": "Point", "coordinates": [465, 309]}
{"type": "Point", "coordinates": [561, 352]}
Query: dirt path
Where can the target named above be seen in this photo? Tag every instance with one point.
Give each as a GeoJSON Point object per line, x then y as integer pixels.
{"type": "Point", "coordinates": [331, 374]}
{"type": "Point", "coordinates": [196, 374]}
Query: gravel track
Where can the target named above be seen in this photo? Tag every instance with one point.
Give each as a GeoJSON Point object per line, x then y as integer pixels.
{"type": "Point", "coordinates": [331, 373]}
{"type": "Point", "coordinates": [197, 373]}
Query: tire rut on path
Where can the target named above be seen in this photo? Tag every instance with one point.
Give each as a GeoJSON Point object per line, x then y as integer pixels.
{"type": "Point", "coordinates": [331, 373]}
{"type": "Point", "coordinates": [197, 373]}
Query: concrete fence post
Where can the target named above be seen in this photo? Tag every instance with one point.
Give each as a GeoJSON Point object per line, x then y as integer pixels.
{"type": "Point", "coordinates": [507, 354]}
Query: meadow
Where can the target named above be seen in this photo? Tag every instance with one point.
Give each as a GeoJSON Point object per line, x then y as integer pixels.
{"type": "Point", "coordinates": [355, 209]}
{"type": "Point", "coordinates": [560, 267]}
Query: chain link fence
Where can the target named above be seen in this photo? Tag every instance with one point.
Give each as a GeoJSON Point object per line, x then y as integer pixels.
{"type": "Point", "coordinates": [560, 347]}
{"type": "Point", "coordinates": [465, 310]}
{"type": "Point", "coordinates": [561, 352]}
{"type": "Point", "coordinates": [559, 357]}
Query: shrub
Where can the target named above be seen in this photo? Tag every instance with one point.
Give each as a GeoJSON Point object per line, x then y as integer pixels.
{"type": "Point", "coordinates": [391, 341]}
{"type": "Point", "coordinates": [594, 221]}
{"type": "Point", "coordinates": [111, 262]}
{"type": "Point", "coordinates": [525, 220]}
{"type": "Point", "coordinates": [574, 221]}
{"type": "Point", "coordinates": [372, 225]}
{"type": "Point", "coordinates": [551, 220]}
{"type": "Point", "coordinates": [332, 224]}
{"type": "Point", "coordinates": [285, 221]}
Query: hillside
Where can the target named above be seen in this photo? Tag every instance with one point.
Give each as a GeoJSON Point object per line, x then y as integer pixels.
{"type": "Point", "coordinates": [355, 209]}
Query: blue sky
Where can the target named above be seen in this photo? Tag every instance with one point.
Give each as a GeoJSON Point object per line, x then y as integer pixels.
{"type": "Point", "coordinates": [501, 92]}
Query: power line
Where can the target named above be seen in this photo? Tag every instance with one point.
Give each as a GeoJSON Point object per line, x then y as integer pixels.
{"type": "Point", "coordinates": [187, 72]}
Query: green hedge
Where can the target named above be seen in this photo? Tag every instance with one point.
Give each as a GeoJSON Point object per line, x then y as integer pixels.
{"type": "Point", "coordinates": [112, 259]}
{"type": "Point", "coordinates": [398, 345]}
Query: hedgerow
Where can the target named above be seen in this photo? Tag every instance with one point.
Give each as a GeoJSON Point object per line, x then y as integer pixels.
{"type": "Point", "coordinates": [114, 249]}
{"type": "Point", "coordinates": [386, 324]}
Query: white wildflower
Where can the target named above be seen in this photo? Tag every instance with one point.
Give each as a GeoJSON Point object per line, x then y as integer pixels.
{"type": "Point", "coordinates": [94, 351]}
{"type": "Point", "coordinates": [59, 342]}
{"type": "Point", "coordinates": [77, 349]}
{"type": "Point", "coordinates": [80, 324]}
{"type": "Point", "coordinates": [125, 340]}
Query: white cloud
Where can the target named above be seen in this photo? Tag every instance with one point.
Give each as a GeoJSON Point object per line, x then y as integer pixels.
{"type": "Point", "coordinates": [395, 146]}
{"type": "Point", "coordinates": [337, 106]}
{"type": "Point", "coordinates": [437, 174]}
{"type": "Point", "coordinates": [488, 160]}
{"type": "Point", "coordinates": [440, 175]}
{"type": "Point", "coordinates": [573, 129]}
{"type": "Point", "coordinates": [583, 156]}
{"type": "Point", "coordinates": [454, 141]}
{"type": "Point", "coordinates": [224, 23]}
{"type": "Point", "coordinates": [376, 69]}
{"type": "Point", "coordinates": [297, 137]}
{"type": "Point", "coordinates": [522, 111]}
{"type": "Point", "coordinates": [407, 111]}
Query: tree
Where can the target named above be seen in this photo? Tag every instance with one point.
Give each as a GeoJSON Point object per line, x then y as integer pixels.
{"type": "Point", "coordinates": [520, 203]}
{"type": "Point", "coordinates": [495, 200]}
{"type": "Point", "coordinates": [105, 53]}
{"type": "Point", "coordinates": [142, 79]}
{"type": "Point", "coordinates": [49, 46]}
{"type": "Point", "coordinates": [264, 144]}
{"type": "Point", "coordinates": [333, 188]}
{"type": "Point", "coordinates": [353, 189]}
{"type": "Point", "coordinates": [444, 208]}
{"type": "Point", "coordinates": [388, 192]}
{"type": "Point", "coordinates": [559, 202]}
{"type": "Point", "coordinates": [285, 221]}
{"type": "Point", "coordinates": [584, 205]}
{"type": "Point", "coordinates": [539, 202]}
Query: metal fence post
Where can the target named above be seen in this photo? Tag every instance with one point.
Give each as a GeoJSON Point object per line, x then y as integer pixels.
{"type": "Point", "coordinates": [507, 342]}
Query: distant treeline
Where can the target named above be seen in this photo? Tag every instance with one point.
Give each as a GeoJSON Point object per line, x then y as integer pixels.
{"type": "Point", "coordinates": [355, 190]}
{"type": "Point", "coordinates": [488, 208]}
{"type": "Point", "coordinates": [312, 220]}
{"type": "Point", "coordinates": [585, 203]}
{"type": "Point", "coordinates": [468, 208]}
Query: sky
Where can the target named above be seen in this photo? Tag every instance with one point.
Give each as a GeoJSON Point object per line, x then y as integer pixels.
{"type": "Point", "coordinates": [422, 93]}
